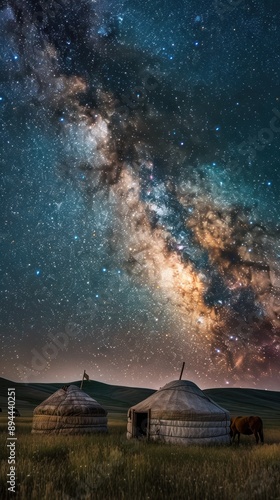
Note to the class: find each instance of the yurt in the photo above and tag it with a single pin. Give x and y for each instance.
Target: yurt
(69, 411)
(179, 413)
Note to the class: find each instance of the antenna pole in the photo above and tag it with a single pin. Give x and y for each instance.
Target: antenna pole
(183, 366)
(81, 386)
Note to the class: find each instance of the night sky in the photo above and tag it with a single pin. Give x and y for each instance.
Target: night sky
(139, 196)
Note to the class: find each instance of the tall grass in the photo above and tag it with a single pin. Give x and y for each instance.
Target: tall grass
(110, 467)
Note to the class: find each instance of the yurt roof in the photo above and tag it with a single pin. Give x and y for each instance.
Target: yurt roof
(180, 399)
(70, 400)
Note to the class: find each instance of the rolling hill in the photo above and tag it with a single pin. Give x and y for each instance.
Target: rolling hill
(114, 398)
(117, 399)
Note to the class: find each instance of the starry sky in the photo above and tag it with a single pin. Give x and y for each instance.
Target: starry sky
(139, 195)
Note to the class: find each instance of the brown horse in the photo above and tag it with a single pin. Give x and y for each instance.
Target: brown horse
(248, 426)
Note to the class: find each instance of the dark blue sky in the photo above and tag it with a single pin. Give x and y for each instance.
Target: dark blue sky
(140, 191)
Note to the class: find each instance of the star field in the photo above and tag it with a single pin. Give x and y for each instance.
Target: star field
(140, 191)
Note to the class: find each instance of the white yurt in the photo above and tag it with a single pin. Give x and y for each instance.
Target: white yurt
(179, 413)
(69, 411)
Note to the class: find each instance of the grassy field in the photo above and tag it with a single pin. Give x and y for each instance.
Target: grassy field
(111, 467)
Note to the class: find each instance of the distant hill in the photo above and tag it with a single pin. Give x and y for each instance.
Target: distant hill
(117, 399)
(266, 404)
(114, 398)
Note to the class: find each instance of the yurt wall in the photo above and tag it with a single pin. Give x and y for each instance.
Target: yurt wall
(69, 411)
(179, 413)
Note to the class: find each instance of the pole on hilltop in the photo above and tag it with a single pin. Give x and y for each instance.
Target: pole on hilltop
(85, 376)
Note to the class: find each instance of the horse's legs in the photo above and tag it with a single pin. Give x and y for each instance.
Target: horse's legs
(233, 436)
(261, 435)
(256, 436)
(235, 433)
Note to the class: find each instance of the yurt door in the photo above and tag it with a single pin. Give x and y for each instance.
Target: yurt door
(141, 424)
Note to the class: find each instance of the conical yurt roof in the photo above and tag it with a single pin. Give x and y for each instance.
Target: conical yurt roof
(69, 410)
(179, 400)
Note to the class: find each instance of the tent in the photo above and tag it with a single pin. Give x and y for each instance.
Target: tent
(179, 413)
(69, 411)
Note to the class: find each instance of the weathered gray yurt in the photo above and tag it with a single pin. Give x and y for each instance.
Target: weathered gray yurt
(69, 411)
(179, 413)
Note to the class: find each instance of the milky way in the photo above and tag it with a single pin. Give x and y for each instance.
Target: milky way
(139, 192)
